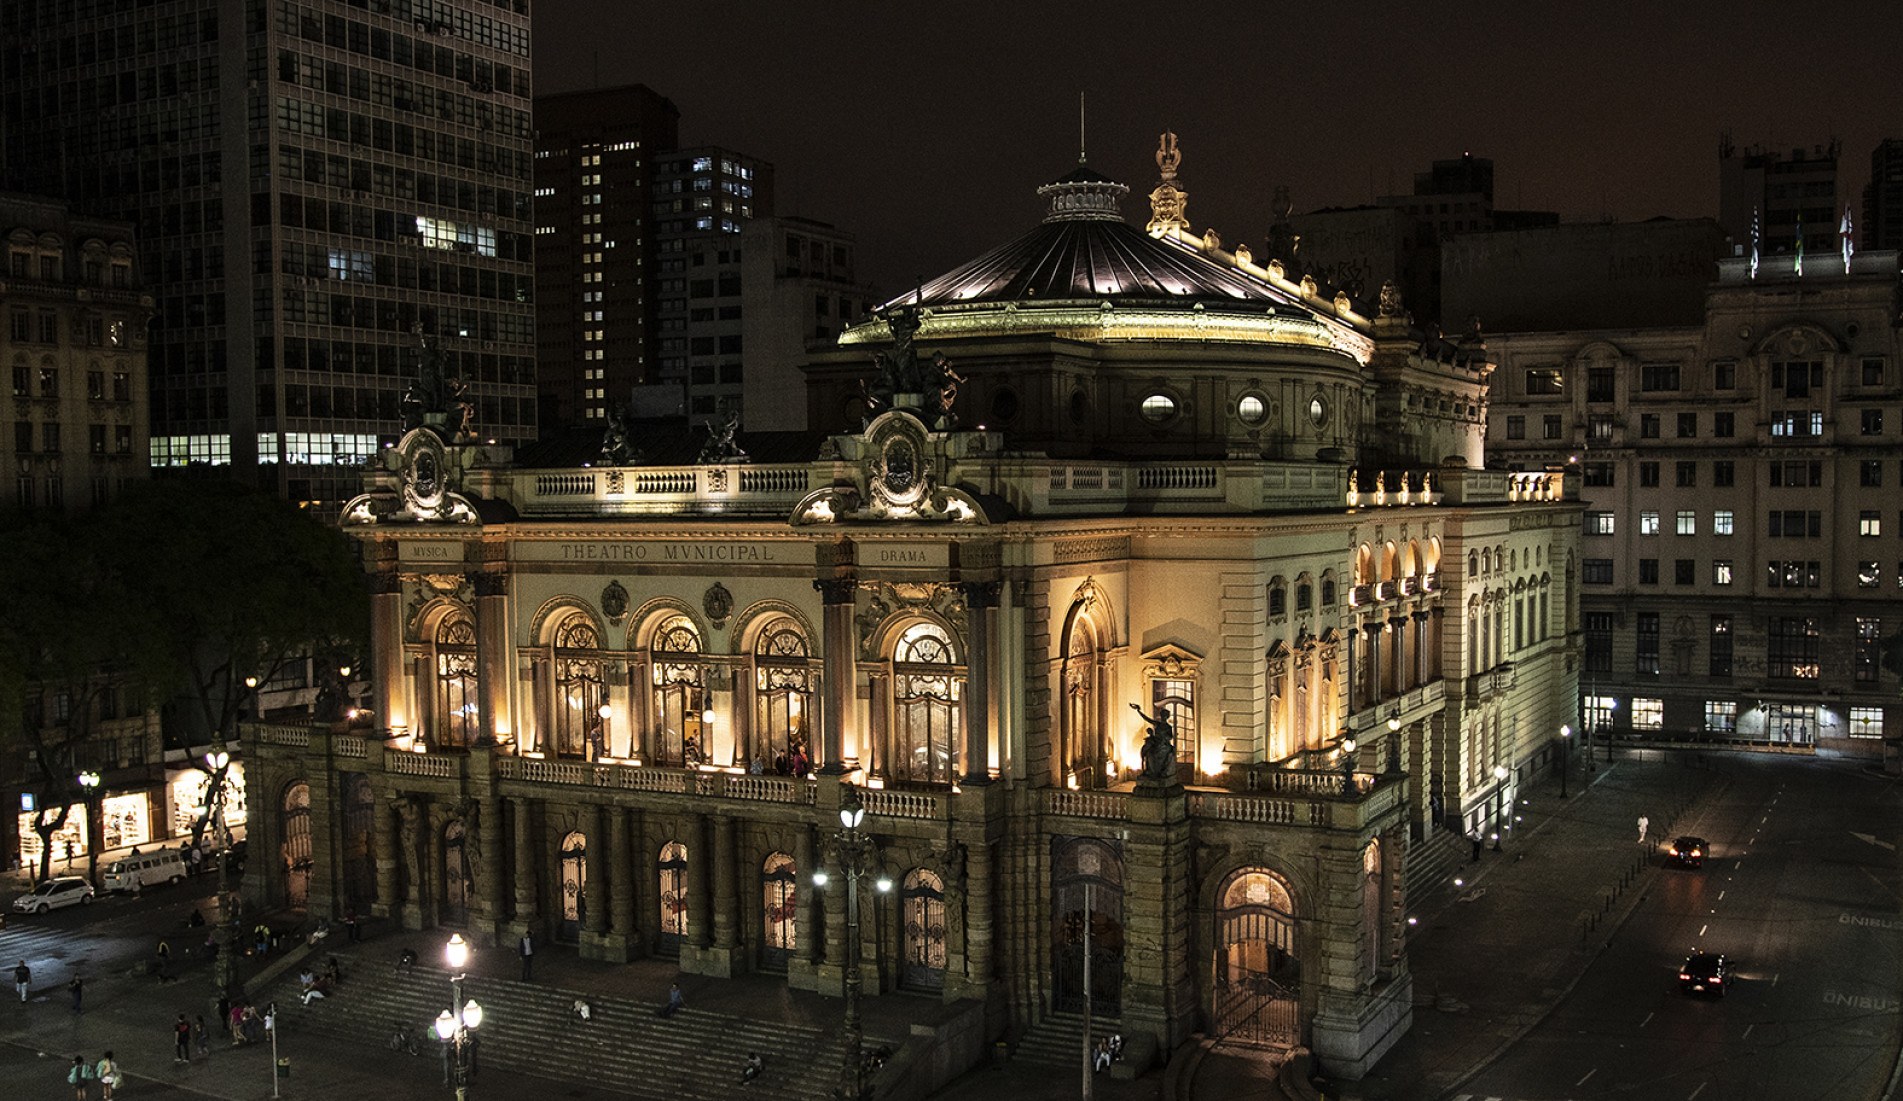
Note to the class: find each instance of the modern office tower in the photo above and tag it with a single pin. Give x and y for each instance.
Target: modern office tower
(1782, 192)
(798, 292)
(595, 247)
(1742, 560)
(1456, 196)
(1883, 197)
(314, 184)
(701, 198)
(74, 347)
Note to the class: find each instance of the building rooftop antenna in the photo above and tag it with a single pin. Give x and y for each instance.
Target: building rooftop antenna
(1080, 127)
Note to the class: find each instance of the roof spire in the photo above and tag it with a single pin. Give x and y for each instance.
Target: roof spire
(1080, 127)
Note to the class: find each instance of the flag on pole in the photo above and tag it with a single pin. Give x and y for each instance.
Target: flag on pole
(1798, 264)
(1756, 237)
(1845, 239)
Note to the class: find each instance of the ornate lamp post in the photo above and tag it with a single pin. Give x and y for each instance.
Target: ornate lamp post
(224, 969)
(1394, 742)
(455, 1025)
(89, 794)
(1500, 777)
(1348, 747)
(855, 851)
(1565, 743)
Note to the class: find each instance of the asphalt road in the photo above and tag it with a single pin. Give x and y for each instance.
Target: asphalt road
(1813, 916)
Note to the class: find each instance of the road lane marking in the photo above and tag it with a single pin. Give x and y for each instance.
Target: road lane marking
(1721, 896)
(1702, 928)
(1699, 1090)
(1589, 1074)
(1747, 1030)
(1648, 1019)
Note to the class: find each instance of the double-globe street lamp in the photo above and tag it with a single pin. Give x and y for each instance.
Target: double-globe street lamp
(455, 1025)
(89, 782)
(856, 853)
(225, 964)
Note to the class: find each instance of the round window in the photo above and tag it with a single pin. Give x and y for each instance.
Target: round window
(1004, 405)
(1252, 409)
(1158, 408)
(1317, 412)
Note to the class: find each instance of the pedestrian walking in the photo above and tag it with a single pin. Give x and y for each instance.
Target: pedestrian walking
(1644, 824)
(78, 990)
(526, 947)
(80, 1077)
(350, 924)
(107, 1071)
(201, 1036)
(21, 976)
(1473, 835)
(182, 1040)
(196, 860)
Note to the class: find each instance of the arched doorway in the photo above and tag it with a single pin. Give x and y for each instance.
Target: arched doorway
(779, 908)
(1257, 980)
(673, 895)
(455, 874)
(295, 850)
(922, 899)
(574, 883)
(360, 865)
(1087, 886)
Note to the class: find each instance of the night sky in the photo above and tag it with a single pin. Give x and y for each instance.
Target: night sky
(923, 128)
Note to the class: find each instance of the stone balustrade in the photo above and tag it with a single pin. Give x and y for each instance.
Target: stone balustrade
(1086, 804)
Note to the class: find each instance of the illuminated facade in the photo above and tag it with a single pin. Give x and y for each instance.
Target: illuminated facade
(1741, 556)
(621, 698)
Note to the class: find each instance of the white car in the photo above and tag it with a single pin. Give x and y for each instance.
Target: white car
(51, 894)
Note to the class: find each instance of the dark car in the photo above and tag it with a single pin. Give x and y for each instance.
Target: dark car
(1688, 851)
(1704, 973)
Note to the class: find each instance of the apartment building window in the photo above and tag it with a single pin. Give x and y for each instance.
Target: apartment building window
(1866, 722)
(96, 439)
(1595, 571)
(1794, 524)
(1791, 650)
(49, 382)
(1687, 426)
(1648, 713)
(1796, 472)
(1724, 376)
(1873, 372)
(1648, 571)
(1600, 523)
(1648, 426)
(1658, 376)
(1648, 475)
(1648, 522)
(49, 328)
(1600, 384)
(1870, 473)
(23, 437)
(1544, 382)
(1798, 424)
(1873, 422)
(1793, 573)
(1598, 631)
(1724, 473)
(1869, 522)
(1599, 427)
(1684, 571)
(1687, 474)
(1687, 522)
(1724, 425)
(1721, 522)
(1869, 653)
(1599, 474)
(49, 439)
(20, 326)
(1869, 574)
(22, 380)
(1516, 428)
(1550, 426)
(1797, 379)
(1721, 716)
(1721, 571)
(95, 385)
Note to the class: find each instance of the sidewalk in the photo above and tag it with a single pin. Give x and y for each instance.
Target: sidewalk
(1549, 902)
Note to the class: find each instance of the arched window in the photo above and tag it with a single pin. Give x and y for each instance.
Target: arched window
(927, 692)
(1084, 750)
(779, 908)
(782, 694)
(457, 711)
(1328, 590)
(1278, 597)
(922, 897)
(673, 895)
(574, 883)
(1257, 975)
(580, 690)
(295, 850)
(680, 693)
(1304, 594)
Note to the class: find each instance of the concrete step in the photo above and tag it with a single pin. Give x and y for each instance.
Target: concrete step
(625, 1046)
(1058, 1040)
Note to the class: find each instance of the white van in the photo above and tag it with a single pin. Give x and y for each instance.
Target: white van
(144, 869)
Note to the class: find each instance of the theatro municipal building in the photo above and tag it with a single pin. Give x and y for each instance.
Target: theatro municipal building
(1149, 597)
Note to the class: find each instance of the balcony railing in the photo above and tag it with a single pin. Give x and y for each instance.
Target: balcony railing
(284, 734)
(1086, 804)
(439, 766)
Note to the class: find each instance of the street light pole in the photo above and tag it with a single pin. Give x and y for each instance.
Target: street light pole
(89, 792)
(455, 1025)
(224, 967)
(1565, 741)
(855, 852)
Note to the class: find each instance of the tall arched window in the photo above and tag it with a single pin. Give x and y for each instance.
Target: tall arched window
(927, 691)
(457, 711)
(295, 850)
(673, 895)
(782, 693)
(580, 690)
(923, 897)
(1084, 750)
(779, 909)
(574, 884)
(680, 693)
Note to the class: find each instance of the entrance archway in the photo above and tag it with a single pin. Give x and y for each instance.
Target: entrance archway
(574, 882)
(673, 895)
(922, 897)
(295, 850)
(1087, 886)
(778, 909)
(1258, 977)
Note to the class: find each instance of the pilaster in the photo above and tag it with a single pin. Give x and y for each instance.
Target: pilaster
(1159, 995)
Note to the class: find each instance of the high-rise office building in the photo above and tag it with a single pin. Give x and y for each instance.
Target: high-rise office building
(1883, 197)
(314, 183)
(595, 312)
(701, 199)
(798, 292)
(1783, 193)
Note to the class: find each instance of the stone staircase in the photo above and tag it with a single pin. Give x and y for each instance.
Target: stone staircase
(695, 1055)
(1058, 1039)
(1432, 864)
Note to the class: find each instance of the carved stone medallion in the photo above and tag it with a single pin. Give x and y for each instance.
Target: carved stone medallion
(717, 602)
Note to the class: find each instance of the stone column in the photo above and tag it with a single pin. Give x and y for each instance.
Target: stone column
(1354, 644)
(528, 917)
(495, 658)
(491, 874)
(1402, 680)
(981, 599)
(620, 888)
(387, 693)
(700, 857)
(806, 928)
(724, 957)
(838, 731)
(383, 836)
(1437, 625)
(1373, 632)
(411, 819)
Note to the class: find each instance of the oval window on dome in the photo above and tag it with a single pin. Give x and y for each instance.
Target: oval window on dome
(1158, 408)
(1252, 409)
(1317, 411)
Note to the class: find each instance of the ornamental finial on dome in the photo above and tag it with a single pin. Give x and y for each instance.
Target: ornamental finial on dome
(1168, 202)
(1084, 194)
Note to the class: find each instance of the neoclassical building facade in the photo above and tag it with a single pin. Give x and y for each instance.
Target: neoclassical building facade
(1098, 469)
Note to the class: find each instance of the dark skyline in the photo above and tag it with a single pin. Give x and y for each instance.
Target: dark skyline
(924, 132)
